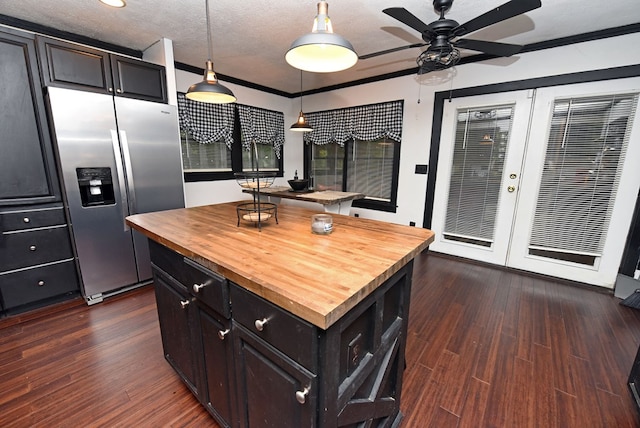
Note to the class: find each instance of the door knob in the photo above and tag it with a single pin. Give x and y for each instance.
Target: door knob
(511, 189)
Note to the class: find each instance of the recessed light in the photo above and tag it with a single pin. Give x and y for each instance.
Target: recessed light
(114, 3)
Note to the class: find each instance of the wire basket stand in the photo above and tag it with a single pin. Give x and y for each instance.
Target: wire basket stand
(256, 212)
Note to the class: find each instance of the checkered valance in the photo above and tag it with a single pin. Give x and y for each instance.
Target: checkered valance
(262, 127)
(206, 122)
(366, 123)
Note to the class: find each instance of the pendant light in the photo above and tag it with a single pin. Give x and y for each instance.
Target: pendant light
(301, 124)
(114, 3)
(321, 51)
(210, 90)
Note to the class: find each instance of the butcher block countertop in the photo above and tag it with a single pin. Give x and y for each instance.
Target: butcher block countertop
(316, 277)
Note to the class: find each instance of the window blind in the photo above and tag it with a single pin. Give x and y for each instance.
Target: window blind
(367, 123)
(370, 168)
(206, 123)
(586, 147)
(261, 126)
(480, 147)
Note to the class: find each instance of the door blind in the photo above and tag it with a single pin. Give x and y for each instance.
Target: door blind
(586, 147)
(480, 148)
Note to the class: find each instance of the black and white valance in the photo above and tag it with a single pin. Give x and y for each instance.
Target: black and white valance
(261, 126)
(367, 123)
(207, 123)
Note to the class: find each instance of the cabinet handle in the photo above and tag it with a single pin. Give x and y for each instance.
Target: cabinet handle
(32, 248)
(41, 283)
(119, 91)
(223, 333)
(301, 396)
(198, 287)
(26, 219)
(184, 304)
(110, 89)
(260, 324)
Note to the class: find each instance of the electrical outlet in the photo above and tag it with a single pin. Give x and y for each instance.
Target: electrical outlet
(412, 223)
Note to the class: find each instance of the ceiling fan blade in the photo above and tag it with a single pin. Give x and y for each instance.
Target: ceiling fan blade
(491, 48)
(500, 13)
(407, 18)
(386, 51)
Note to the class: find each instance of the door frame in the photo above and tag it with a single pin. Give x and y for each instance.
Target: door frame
(441, 97)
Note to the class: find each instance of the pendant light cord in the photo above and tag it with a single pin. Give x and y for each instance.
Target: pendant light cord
(209, 32)
(300, 90)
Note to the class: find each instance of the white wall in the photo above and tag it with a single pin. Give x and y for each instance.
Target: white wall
(416, 134)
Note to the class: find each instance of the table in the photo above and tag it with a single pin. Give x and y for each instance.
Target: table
(332, 201)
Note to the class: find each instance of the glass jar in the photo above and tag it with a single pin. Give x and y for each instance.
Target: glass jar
(321, 224)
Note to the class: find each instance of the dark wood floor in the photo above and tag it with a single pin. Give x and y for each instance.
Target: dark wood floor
(486, 348)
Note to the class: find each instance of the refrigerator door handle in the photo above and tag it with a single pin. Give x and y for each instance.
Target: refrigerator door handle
(120, 171)
(129, 172)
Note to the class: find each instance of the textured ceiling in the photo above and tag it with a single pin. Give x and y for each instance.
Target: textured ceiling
(250, 37)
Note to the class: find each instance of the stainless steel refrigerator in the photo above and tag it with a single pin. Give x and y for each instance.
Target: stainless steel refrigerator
(118, 156)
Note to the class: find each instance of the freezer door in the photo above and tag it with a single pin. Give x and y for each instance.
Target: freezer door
(85, 132)
(150, 140)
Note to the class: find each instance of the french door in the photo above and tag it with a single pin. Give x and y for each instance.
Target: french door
(540, 180)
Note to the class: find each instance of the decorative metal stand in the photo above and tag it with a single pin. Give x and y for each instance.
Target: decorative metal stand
(256, 212)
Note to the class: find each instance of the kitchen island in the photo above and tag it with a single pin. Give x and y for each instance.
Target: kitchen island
(278, 326)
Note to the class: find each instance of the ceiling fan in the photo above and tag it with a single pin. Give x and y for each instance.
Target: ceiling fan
(442, 35)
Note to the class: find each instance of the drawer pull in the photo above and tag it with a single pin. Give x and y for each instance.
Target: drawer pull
(184, 304)
(223, 333)
(32, 248)
(26, 219)
(301, 396)
(41, 283)
(198, 287)
(260, 324)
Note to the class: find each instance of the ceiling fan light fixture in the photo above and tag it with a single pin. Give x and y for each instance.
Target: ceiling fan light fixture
(209, 90)
(321, 51)
(114, 3)
(437, 59)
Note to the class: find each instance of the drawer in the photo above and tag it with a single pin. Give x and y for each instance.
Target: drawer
(209, 287)
(293, 336)
(34, 247)
(29, 219)
(30, 285)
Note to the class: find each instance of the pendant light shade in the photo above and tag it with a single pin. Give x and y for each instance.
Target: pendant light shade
(114, 3)
(210, 90)
(301, 125)
(321, 51)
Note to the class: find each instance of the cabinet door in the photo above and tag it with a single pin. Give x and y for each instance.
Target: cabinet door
(174, 314)
(138, 79)
(217, 351)
(73, 66)
(27, 168)
(273, 390)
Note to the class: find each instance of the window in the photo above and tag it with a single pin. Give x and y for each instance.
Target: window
(217, 140)
(368, 167)
(356, 150)
(199, 157)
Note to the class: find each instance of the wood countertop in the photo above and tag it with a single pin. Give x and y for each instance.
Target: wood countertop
(316, 277)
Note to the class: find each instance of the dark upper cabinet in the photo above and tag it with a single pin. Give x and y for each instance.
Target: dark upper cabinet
(74, 66)
(27, 165)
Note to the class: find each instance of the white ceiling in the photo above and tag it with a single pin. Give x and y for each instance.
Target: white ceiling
(250, 37)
